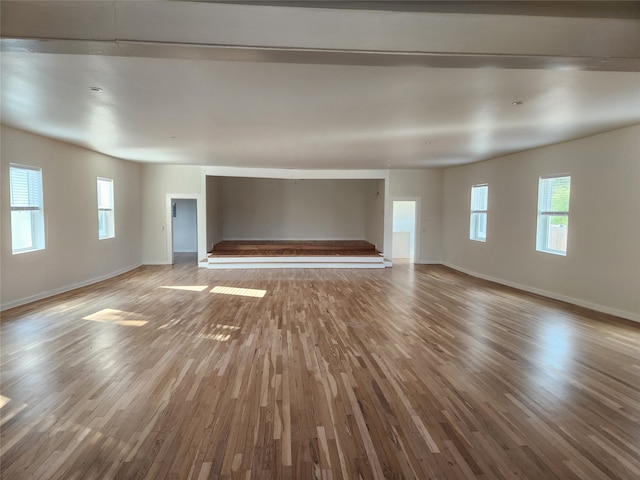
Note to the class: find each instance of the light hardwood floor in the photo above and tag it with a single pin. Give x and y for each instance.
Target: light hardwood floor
(410, 372)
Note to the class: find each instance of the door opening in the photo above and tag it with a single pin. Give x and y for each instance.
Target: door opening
(404, 230)
(184, 228)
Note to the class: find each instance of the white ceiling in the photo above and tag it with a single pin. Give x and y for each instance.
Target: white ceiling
(287, 114)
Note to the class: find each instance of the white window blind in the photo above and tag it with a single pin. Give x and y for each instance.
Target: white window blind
(106, 220)
(27, 208)
(479, 207)
(553, 214)
(26, 187)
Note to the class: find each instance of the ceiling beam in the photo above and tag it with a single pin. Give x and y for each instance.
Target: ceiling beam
(315, 56)
(545, 8)
(211, 31)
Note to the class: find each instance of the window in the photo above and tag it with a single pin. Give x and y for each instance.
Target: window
(106, 223)
(478, 223)
(27, 209)
(553, 214)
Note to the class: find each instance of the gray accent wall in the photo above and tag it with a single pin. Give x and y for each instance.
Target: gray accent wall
(287, 209)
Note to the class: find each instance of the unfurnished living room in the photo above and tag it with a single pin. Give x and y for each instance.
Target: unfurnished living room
(320, 240)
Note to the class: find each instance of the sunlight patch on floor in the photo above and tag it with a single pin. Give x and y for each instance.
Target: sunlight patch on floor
(190, 288)
(219, 337)
(4, 400)
(227, 327)
(244, 292)
(8, 415)
(118, 317)
(171, 323)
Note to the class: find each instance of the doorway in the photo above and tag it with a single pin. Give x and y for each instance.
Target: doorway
(184, 228)
(404, 230)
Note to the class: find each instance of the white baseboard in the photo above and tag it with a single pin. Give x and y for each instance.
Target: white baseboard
(66, 288)
(156, 262)
(556, 296)
(389, 263)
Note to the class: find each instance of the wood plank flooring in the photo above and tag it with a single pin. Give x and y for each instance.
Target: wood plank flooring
(409, 372)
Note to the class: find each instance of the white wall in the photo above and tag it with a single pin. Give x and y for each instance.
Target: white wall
(214, 211)
(286, 209)
(73, 256)
(427, 185)
(158, 183)
(602, 266)
(374, 213)
(185, 238)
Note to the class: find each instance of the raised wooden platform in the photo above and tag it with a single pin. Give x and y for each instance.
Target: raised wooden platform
(259, 248)
(295, 254)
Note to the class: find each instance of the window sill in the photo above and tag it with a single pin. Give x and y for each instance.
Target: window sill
(20, 252)
(553, 252)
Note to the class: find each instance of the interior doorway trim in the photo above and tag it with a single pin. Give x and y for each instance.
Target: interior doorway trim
(201, 224)
(417, 250)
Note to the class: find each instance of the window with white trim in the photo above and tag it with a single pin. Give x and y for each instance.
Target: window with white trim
(553, 214)
(27, 208)
(106, 220)
(478, 221)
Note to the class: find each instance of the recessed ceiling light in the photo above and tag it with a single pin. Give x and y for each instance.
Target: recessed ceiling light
(517, 102)
(95, 89)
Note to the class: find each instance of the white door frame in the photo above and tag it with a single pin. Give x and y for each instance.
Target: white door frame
(201, 223)
(417, 251)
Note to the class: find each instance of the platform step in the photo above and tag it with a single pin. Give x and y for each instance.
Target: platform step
(332, 261)
(296, 259)
(256, 265)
